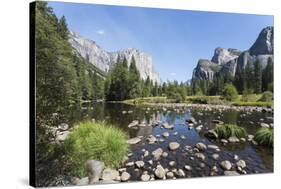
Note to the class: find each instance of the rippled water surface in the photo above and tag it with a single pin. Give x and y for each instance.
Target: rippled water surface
(258, 159)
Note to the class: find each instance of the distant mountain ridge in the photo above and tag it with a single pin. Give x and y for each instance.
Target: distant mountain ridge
(226, 61)
(93, 53)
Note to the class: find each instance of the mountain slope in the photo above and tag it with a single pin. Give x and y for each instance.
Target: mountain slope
(105, 61)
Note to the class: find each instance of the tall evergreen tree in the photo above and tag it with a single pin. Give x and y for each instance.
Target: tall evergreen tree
(267, 76)
(258, 77)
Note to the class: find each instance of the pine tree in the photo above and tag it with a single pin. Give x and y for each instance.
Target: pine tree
(258, 77)
(267, 76)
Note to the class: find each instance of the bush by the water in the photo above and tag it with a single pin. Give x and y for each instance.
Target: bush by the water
(264, 136)
(267, 96)
(229, 92)
(95, 140)
(228, 130)
(249, 96)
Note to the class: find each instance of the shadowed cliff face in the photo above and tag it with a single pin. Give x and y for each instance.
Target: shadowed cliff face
(226, 61)
(104, 60)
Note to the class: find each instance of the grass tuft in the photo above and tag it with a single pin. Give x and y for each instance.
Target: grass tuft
(228, 130)
(264, 136)
(95, 140)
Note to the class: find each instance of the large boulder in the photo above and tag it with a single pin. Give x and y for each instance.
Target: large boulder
(94, 169)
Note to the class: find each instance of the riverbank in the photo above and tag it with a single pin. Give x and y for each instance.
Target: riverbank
(204, 102)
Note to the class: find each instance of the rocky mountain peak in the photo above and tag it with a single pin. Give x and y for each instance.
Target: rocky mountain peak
(226, 61)
(264, 42)
(89, 50)
(222, 55)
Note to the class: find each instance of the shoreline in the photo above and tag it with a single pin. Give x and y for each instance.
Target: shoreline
(203, 106)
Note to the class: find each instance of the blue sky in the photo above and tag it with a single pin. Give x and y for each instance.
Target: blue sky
(175, 39)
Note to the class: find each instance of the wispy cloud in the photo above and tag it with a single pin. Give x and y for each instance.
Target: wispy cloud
(100, 32)
(173, 74)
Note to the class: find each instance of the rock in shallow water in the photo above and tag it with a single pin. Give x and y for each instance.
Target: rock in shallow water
(125, 176)
(174, 145)
(231, 173)
(201, 146)
(145, 177)
(159, 172)
(139, 164)
(166, 134)
(134, 140)
(226, 165)
(157, 153)
(241, 163)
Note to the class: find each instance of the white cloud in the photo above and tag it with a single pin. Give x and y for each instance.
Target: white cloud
(173, 74)
(100, 32)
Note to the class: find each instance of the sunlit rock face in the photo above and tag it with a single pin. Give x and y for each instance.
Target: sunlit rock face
(226, 61)
(105, 61)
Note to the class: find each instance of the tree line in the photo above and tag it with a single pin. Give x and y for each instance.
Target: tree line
(251, 79)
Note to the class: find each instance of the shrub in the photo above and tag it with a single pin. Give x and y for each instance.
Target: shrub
(177, 94)
(95, 140)
(267, 96)
(248, 96)
(264, 136)
(229, 130)
(229, 92)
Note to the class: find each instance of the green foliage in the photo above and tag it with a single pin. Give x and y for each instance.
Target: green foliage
(264, 136)
(95, 140)
(229, 92)
(228, 130)
(258, 77)
(267, 96)
(248, 96)
(176, 92)
(267, 76)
